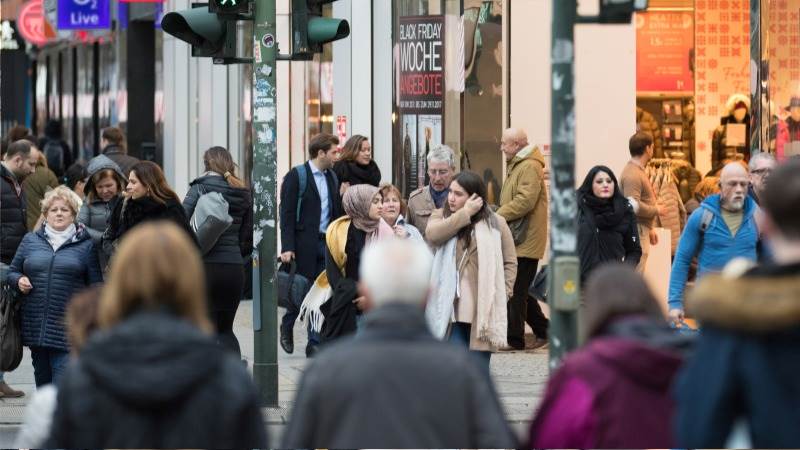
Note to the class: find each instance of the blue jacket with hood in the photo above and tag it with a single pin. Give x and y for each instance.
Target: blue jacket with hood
(715, 248)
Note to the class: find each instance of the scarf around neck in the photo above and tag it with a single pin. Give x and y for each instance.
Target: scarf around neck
(439, 197)
(607, 213)
(58, 238)
(360, 174)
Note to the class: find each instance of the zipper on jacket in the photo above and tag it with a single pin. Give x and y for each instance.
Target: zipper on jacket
(49, 281)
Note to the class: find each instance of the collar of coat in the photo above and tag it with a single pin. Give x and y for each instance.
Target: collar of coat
(762, 300)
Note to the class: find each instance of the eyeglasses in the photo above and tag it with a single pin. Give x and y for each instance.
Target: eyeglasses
(762, 172)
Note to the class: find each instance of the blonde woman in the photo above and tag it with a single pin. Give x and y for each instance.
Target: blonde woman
(153, 376)
(52, 263)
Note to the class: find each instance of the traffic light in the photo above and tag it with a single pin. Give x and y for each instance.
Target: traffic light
(620, 11)
(230, 7)
(205, 32)
(310, 30)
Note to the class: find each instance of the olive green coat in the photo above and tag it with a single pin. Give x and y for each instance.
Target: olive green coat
(524, 193)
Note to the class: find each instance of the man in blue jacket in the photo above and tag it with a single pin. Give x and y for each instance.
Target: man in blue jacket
(723, 228)
(746, 363)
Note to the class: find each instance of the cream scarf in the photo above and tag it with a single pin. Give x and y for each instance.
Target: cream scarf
(491, 318)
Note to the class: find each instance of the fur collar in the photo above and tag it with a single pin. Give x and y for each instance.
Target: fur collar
(751, 303)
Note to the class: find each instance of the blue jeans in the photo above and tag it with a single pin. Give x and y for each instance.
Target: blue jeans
(48, 364)
(459, 335)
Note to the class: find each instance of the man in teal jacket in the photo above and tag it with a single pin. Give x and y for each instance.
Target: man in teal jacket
(722, 229)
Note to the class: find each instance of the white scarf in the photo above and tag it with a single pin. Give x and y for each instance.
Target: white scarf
(491, 319)
(58, 238)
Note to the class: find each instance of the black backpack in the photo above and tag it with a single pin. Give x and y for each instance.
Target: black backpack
(54, 152)
(10, 329)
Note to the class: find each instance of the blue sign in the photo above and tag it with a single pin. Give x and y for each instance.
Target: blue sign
(83, 14)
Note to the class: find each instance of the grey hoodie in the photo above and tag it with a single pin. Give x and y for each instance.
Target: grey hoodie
(95, 213)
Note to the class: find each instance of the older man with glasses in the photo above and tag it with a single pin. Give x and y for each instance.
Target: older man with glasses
(761, 166)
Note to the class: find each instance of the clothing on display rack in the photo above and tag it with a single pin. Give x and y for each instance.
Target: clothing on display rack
(660, 172)
(686, 177)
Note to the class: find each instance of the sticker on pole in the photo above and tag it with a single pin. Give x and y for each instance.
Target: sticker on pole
(268, 41)
(257, 52)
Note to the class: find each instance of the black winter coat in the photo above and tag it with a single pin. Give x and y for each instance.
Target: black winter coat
(237, 241)
(13, 215)
(596, 246)
(55, 276)
(140, 210)
(303, 237)
(156, 381)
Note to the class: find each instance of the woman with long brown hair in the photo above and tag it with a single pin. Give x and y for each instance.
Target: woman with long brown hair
(147, 197)
(224, 261)
(356, 165)
(153, 377)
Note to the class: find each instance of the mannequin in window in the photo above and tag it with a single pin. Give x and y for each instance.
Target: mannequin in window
(738, 108)
(789, 134)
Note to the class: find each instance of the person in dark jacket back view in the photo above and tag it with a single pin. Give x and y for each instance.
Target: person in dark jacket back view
(55, 148)
(607, 229)
(51, 264)
(36, 185)
(223, 263)
(744, 370)
(147, 197)
(615, 391)
(152, 377)
(105, 184)
(394, 385)
(17, 164)
(113, 143)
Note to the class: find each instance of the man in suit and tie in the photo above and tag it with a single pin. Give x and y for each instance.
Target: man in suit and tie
(316, 194)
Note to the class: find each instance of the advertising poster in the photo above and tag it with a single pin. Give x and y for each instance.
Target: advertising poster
(421, 89)
(408, 170)
(429, 135)
(664, 41)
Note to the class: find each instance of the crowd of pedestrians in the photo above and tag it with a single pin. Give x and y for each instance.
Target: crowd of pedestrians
(405, 301)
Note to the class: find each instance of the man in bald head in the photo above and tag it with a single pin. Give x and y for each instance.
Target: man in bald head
(723, 229)
(523, 203)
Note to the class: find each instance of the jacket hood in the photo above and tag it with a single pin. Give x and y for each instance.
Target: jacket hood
(530, 152)
(714, 204)
(97, 164)
(637, 361)
(211, 179)
(763, 300)
(151, 359)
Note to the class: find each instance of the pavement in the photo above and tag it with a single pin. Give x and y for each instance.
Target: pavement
(520, 379)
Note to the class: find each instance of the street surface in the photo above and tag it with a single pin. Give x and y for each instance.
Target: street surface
(520, 378)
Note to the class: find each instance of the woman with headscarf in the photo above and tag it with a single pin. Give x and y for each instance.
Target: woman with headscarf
(607, 229)
(334, 294)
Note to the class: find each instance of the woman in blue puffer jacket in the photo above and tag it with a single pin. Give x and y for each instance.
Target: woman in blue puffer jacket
(51, 264)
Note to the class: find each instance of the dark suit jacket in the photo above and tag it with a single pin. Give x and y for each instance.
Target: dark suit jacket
(302, 237)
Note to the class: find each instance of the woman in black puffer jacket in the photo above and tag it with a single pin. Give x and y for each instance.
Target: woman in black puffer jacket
(148, 197)
(224, 262)
(607, 230)
(356, 165)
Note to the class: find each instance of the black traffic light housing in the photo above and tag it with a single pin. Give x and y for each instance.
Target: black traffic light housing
(620, 11)
(209, 34)
(310, 30)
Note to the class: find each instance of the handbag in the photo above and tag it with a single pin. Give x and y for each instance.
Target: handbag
(210, 219)
(538, 287)
(292, 287)
(10, 329)
(519, 229)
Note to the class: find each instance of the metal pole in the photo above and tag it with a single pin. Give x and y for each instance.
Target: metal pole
(265, 312)
(756, 93)
(564, 287)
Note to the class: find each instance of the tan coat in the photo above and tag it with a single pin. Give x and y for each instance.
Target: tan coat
(635, 183)
(524, 193)
(439, 231)
(420, 207)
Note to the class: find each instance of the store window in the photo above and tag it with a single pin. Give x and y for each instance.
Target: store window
(448, 87)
